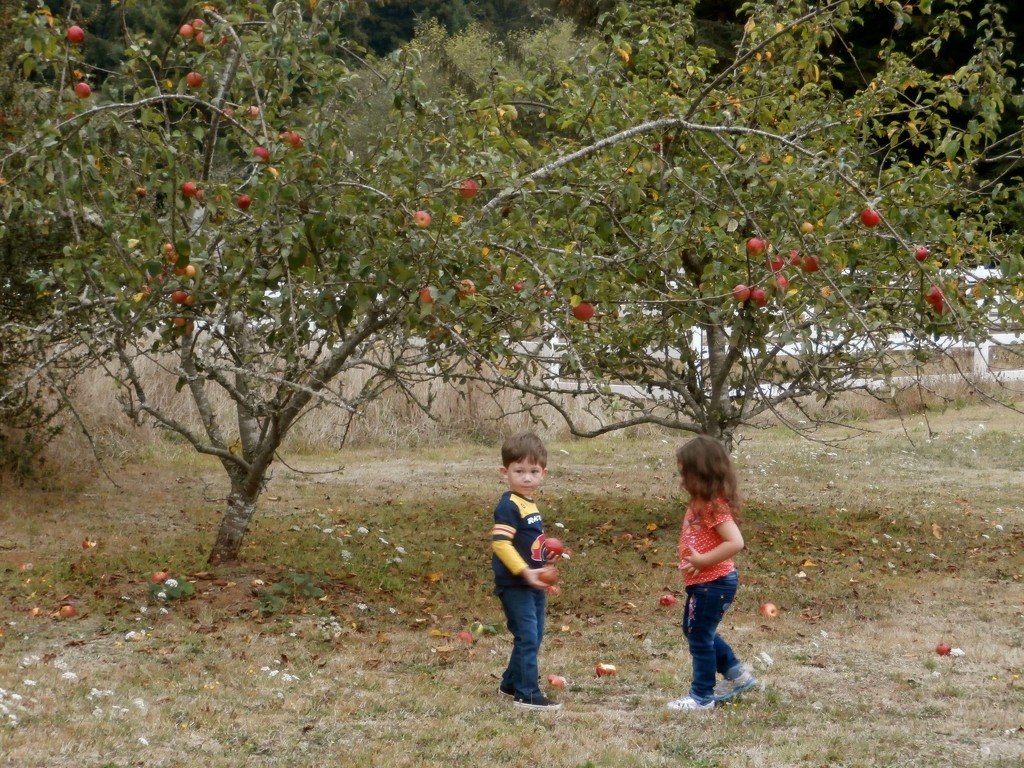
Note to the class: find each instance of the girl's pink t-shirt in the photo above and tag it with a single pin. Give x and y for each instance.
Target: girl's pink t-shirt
(702, 538)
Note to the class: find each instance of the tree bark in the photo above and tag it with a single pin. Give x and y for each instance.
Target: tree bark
(241, 506)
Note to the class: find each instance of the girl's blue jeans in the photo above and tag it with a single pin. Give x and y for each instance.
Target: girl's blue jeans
(706, 604)
(524, 614)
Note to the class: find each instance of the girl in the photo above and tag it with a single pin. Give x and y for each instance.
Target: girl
(709, 539)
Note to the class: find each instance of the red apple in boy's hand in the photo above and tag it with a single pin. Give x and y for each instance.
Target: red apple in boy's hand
(770, 610)
(943, 649)
(554, 546)
(554, 590)
(667, 600)
(548, 574)
(606, 670)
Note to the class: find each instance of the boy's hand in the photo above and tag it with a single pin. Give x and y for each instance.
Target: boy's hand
(532, 577)
(552, 558)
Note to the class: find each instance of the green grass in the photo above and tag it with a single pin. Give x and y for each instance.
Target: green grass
(872, 556)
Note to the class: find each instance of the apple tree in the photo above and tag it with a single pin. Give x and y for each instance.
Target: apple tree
(691, 242)
(246, 212)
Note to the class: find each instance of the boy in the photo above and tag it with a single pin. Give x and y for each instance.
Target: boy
(517, 540)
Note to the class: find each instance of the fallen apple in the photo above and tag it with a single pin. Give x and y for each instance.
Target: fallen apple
(159, 577)
(606, 670)
(769, 609)
(667, 599)
(556, 681)
(66, 611)
(943, 649)
(465, 637)
(554, 546)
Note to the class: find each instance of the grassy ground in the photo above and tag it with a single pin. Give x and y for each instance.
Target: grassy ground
(335, 641)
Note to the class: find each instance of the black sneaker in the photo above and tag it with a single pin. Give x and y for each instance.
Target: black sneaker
(506, 694)
(540, 703)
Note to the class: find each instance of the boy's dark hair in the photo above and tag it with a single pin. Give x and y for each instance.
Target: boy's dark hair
(524, 445)
(708, 472)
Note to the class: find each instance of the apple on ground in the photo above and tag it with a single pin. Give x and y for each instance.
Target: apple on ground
(741, 293)
(943, 649)
(66, 611)
(870, 217)
(465, 637)
(82, 90)
(769, 609)
(75, 34)
(667, 599)
(554, 546)
(605, 670)
(583, 311)
(556, 681)
(159, 577)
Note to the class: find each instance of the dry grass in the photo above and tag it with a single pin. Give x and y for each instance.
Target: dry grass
(908, 535)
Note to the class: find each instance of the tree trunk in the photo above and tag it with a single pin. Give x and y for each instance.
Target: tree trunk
(241, 507)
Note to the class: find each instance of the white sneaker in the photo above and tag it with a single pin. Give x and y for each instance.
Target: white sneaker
(727, 688)
(687, 703)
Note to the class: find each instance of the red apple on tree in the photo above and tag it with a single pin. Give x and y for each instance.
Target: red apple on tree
(262, 153)
(466, 288)
(427, 295)
(807, 227)
(194, 79)
(795, 259)
(755, 246)
(921, 253)
(583, 311)
(75, 34)
(811, 264)
(189, 189)
(741, 293)
(759, 296)
(186, 31)
(870, 217)
(775, 262)
(469, 188)
(421, 219)
(82, 90)
(769, 610)
(244, 201)
(781, 282)
(179, 297)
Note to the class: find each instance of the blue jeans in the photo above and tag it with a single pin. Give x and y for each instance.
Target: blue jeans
(706, 604)
(524, 614)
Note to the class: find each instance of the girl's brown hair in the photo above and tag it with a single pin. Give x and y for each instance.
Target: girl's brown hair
(708, 473)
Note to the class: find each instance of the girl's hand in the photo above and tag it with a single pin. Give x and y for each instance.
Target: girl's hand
(692, 561)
